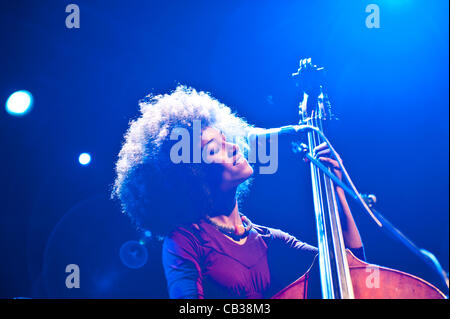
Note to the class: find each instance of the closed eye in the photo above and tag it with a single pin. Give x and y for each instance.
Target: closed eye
(215, 141)
(213, 151)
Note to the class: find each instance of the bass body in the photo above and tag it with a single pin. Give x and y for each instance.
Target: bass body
(370, 281)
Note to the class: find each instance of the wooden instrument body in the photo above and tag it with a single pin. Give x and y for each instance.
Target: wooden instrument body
(371, 282)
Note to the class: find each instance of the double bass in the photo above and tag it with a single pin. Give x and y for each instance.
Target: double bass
(342, 275)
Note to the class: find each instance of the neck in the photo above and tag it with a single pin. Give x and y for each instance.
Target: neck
(226, 212)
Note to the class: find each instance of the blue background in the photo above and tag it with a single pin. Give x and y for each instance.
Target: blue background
(389, 87)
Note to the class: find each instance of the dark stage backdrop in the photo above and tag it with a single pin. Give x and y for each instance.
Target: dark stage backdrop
(389, 87)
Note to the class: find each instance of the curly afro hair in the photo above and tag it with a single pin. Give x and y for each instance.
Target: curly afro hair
(156, 193)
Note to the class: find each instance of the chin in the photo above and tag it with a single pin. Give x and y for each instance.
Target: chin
(245, 173)
(249, 170)
(236, 180)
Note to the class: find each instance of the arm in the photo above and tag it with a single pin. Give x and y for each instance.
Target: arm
(180, 255)
(350, 232)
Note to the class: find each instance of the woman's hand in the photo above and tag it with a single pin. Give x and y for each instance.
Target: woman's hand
(323, 153)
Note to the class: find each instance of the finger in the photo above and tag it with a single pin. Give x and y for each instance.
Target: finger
(329, 162)
(327, 152)
(320, 147)
(323, 153)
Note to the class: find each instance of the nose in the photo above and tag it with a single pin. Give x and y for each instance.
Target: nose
(232, 149)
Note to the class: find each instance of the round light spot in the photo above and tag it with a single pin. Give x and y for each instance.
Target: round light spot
(84, 158)
(19, 103)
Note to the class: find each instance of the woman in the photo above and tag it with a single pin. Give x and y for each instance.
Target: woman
(210, 249)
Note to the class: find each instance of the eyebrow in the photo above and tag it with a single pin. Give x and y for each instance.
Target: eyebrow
(206, 144)
(214, 138)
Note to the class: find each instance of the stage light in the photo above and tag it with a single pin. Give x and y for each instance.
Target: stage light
(84, 158)
(19, 103)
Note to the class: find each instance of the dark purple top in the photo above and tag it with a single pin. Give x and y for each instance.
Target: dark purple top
(201, 262)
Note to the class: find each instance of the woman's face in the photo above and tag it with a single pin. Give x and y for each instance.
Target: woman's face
(232, 166)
